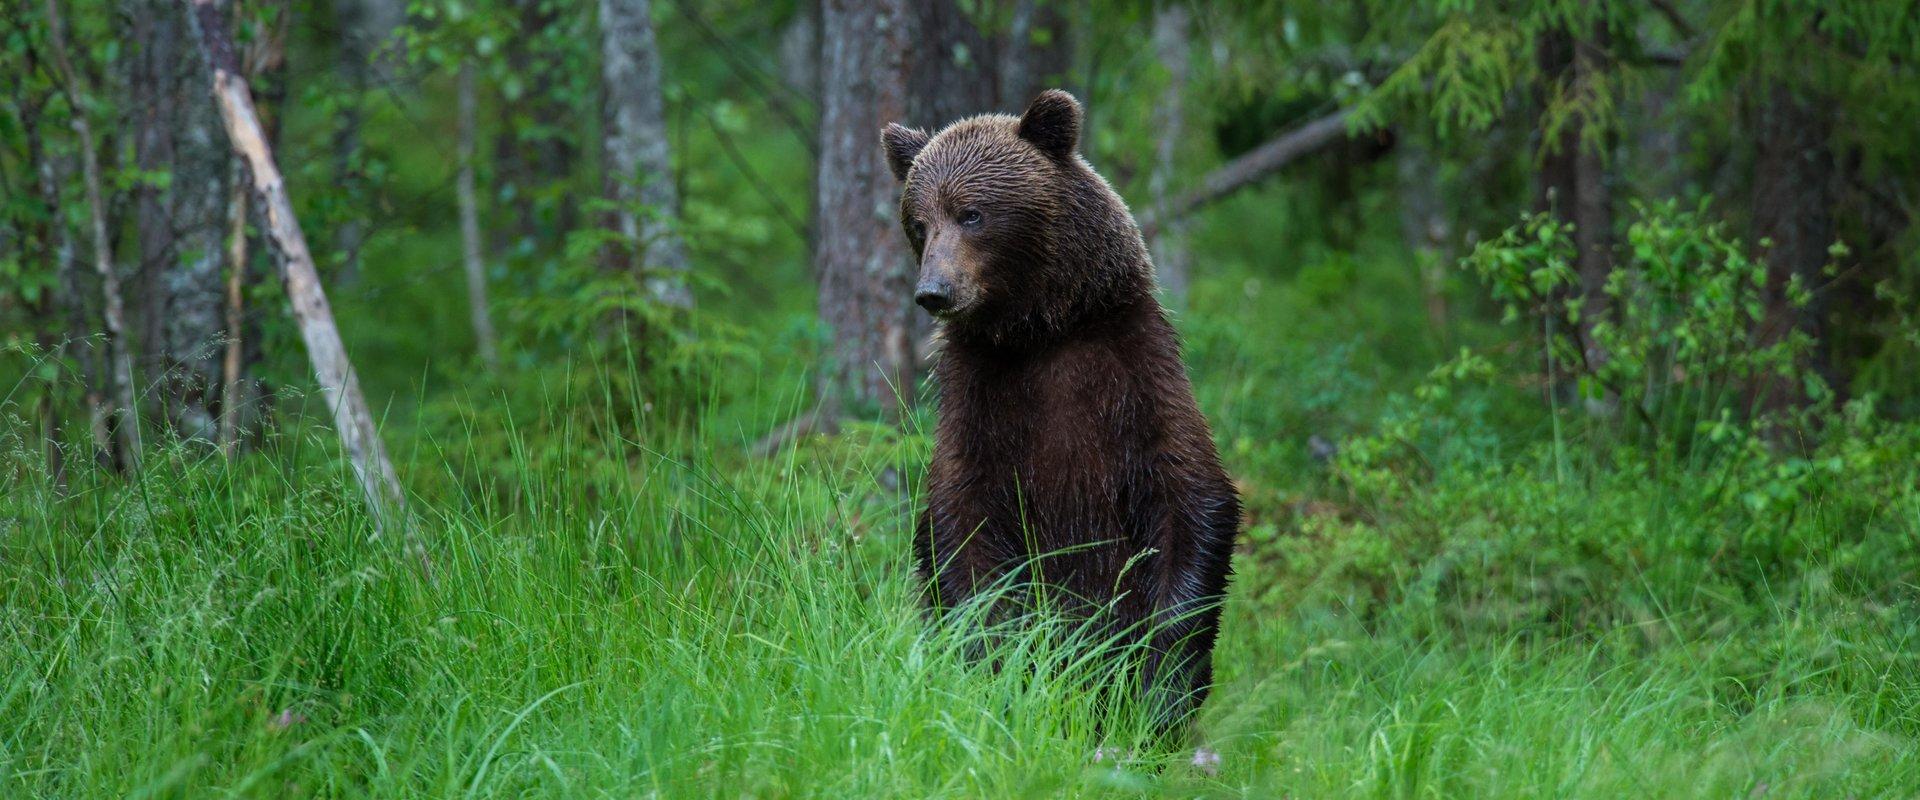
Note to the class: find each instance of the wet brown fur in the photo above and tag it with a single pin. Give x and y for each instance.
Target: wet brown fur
(1066, 419)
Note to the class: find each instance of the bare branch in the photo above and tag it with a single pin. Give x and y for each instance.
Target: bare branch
(1251, 166)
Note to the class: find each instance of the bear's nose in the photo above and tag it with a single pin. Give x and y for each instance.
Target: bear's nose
(934, 296)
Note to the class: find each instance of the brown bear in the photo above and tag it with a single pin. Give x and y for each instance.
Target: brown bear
(1069, 444)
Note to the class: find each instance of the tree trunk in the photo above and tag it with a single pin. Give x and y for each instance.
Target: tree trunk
(233, 359)
(359, 35)
(1593, 204)
(73, 304)
(152, 76)
(181, 222)
(861, 256)
(1037, 55)
(470, 246)
(1424, 225)
(51, 236)
(950, 68)
(1172, 45)
(353, 420)
(951, 74)
(1793, 193)
(1572, 183)
(113, 310)
(639, 156)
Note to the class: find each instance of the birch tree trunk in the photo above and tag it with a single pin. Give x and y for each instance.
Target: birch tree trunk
(639, 156)
(1172, 44)
(340, 386)
(860, 257)
(470, 248)
(113, 310)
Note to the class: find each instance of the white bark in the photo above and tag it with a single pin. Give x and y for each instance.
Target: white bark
(640, 159)
(1171, 43)
(340, 386)
(475, 267)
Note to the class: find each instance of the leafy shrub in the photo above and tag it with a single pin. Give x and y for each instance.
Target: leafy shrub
(1682, 510)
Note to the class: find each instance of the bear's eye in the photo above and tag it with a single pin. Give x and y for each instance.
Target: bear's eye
(915, 229)
(970, 218)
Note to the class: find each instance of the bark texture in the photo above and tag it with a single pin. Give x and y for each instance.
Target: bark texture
(860, 256)
(1172, 45)
(470, 248)
(1573, 182)
(1037, 52)
(353, 419)
(182, 222)
(1793, 195)
(951, 67)
(953, 71)
(639, 155)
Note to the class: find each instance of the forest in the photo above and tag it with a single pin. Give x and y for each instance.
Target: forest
(439, 398)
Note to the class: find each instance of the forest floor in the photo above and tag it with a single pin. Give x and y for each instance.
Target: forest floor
(617, 601)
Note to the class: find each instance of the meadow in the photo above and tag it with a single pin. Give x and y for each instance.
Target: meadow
(1569, 375)
(595, 596)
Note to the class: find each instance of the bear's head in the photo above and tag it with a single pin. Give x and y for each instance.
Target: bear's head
(1016, 236)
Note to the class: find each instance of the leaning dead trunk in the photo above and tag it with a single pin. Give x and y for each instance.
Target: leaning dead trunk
(113, 311)
(353, 420)
(639, 159)
(471, 259)
(861, 256)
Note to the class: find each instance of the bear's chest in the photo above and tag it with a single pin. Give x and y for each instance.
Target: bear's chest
(1058, 436)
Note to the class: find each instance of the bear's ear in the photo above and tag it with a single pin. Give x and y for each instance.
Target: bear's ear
(1052, 123)
(902, 144)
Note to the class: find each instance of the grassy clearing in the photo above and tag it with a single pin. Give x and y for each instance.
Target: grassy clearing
(720, 626)
(1474, 597)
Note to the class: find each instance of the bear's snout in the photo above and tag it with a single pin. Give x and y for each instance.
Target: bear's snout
(934, 294)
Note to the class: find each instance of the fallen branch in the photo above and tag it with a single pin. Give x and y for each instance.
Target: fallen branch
(1252, 166)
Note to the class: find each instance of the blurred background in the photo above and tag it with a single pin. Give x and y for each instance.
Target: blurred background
(1524, 325)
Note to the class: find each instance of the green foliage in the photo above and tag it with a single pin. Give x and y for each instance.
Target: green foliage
(1478, 561)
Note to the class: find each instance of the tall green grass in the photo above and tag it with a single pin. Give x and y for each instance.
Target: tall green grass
(1474, 596)
(710, 624)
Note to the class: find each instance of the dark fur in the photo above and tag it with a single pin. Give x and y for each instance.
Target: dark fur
(1066, 418)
